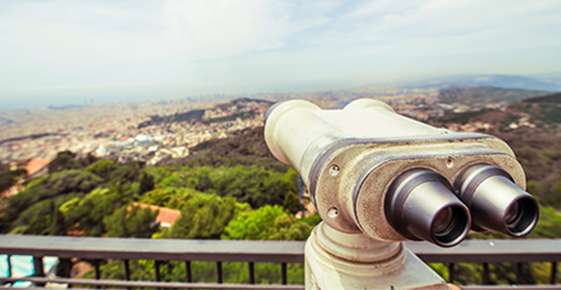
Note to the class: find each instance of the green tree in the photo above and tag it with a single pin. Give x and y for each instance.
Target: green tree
(257, 186)
(171, 197)
(57, 225)
(146, 183)
(86, 214)
(131, 221)
(42, 218)
(126, 173)
(69, 182)
(103, 168)
(267, 223)
(204, 216)
(66, 160)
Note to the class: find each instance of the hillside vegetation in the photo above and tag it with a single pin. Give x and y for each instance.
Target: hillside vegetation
(198, 115)
(550, 98)
(245, 147)
(221, 198)
(485, 94)
(79, 193)
(542, 110)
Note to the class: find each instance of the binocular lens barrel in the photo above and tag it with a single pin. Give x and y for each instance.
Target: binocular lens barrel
(421, 206)
(496, 202)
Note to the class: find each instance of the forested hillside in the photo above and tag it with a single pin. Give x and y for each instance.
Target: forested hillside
(245, 147)
(81, 196)
(485, 94)
(218, 199)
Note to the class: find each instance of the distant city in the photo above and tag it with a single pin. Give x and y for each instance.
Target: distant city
(156, 132)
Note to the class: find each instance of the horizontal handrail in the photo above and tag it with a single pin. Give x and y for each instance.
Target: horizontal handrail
(492, 251)
(262, 251)
(281, 252)
(155, 249)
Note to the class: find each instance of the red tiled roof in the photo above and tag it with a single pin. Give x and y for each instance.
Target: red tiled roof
(166, 216)
(35, 165)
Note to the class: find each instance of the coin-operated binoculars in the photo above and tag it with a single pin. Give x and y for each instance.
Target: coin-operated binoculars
(378, 178)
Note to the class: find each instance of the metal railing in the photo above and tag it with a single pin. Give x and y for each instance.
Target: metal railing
(99, 250)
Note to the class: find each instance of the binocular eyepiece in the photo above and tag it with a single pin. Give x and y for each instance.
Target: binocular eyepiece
(496, 203)
(421, 205)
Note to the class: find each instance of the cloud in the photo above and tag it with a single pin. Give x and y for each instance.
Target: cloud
(175, 48)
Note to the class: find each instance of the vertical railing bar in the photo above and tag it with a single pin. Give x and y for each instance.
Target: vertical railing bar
(38, 269)
(251, 268)
(219, 278)
(97, 270)
(486, 274)
(9, 264)
(126, 265)
(127, 270)
(284, 274)
(157, 265)
(451, 272)
(553, 278)
(188, 271)
(519, 278)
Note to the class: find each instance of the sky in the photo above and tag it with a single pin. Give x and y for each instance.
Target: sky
(70, 52)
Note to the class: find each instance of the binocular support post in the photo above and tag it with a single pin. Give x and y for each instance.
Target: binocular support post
(337, 260)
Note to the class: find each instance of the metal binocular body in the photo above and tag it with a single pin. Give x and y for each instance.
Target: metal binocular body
(374, 171)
